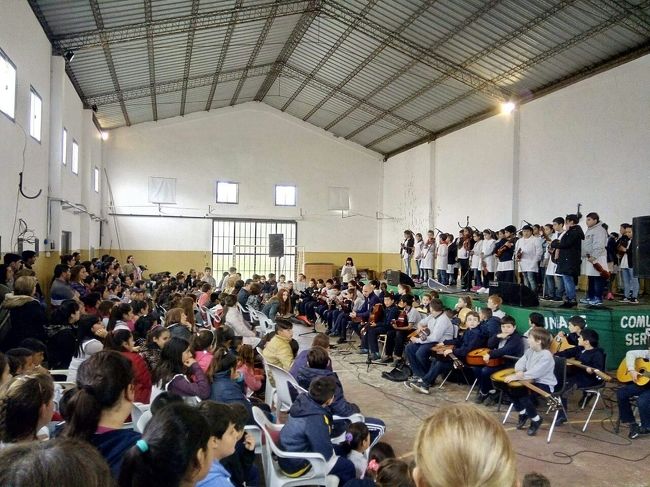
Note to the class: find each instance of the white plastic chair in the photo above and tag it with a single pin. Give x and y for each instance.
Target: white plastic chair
(266, 326)
(269, 391)
(138, 413)
(256, 433)
(316, 475)
(282, 379)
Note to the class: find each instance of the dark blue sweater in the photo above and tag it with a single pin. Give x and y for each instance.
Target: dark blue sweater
(113, 445)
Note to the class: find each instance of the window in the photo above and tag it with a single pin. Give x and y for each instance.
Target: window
(227, 192)
(285, 195)
(75, 157)
(64, 147)
(36, 107)
(7, 86)
(96, 179)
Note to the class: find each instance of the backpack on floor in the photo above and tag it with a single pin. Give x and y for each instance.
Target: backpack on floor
(399, 374)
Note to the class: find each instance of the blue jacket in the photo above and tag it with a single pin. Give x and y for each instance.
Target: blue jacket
(226, 390)
(218, 476)
(490, 327)
(301, 361)
(390, 314)
(307, 430)
(471, 340)
(340, 406)
(514, 346)
(113, 445)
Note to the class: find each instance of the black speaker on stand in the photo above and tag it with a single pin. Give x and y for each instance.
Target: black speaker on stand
(641, 246)
(276, 245)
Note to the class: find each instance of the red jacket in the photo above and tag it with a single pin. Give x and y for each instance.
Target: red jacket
(141, 377)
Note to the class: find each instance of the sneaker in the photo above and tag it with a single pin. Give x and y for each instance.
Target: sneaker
(492, 399)
(634, 301)
(546, 298)
(624, 300)
(375, 357)
(561, 420)
(363, 351)
(480, 398)
(634, 431)
(569, 304)
(420, 387)
(557, 299)
(534, 426)
(585, 301)
(521, 423)
(476, 289)
(609, 297)
(386, 360)
(341, 340)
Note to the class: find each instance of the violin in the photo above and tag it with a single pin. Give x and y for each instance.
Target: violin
(502, 250)
(376, 313)
(520, 254)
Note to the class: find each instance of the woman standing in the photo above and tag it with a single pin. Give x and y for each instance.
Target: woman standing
(349, 271)
(406, 250)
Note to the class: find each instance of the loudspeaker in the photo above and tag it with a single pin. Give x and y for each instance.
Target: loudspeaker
(515, 294)
(641, 249)
(276, 244)
(393, 278)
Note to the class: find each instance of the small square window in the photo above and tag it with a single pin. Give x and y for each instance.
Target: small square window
(96, 179)
(36, 108)
(285, 195)
(64, 147)
(227, 192)
(7, 86)
(75, 157)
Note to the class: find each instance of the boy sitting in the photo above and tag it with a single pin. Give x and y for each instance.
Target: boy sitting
(308, 430)
(223, 438)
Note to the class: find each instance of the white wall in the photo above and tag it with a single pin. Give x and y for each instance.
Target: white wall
(588, 143)
(252, 144)
(23, 40)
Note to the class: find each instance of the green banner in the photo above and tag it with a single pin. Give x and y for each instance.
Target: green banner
(620, 329)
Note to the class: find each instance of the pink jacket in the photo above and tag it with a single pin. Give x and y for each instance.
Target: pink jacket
(204, 359)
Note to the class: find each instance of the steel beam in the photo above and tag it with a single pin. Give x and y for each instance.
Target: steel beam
(521, 30)
(50, 35)
(188, 54)
(415, 51)
(301, 28)
(208, 20)
(542, 57)
(152, 60)
(329, 53)
(638, 22)
(223, 53)
(256, 50)
(162, 87)
(97, 14)
(384, 43)
(350, 99)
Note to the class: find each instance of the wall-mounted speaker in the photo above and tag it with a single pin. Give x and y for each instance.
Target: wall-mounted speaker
(641, 248)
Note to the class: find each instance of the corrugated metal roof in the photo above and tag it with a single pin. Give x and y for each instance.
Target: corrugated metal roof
(383, 73)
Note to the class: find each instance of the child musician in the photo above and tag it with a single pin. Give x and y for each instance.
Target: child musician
(537, 365)
(397, 336)
(488, 260)
(428, 253)
(475, 259)
(624, 394)
(441, 259)
(390, 313)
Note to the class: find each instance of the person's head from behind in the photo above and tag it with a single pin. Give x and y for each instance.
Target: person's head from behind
(26, 405)
(377, 454)
(25, 286)
(223, 428)
(246, 355)
(358, 436)
(317, 358)
(38, 349)
(121, 312)
(120, 341)
(393, 473)
(173, 450)
(203, 341)
(494, 302)
(458, 435)
(536, 319)
(534, 479)
(223, 361)
(225, 336)
(63, 462)
(67, 313)
(163, 399)
(104, 387)
(20, 361)
(321, 340)
(321, 390)
(485, 314)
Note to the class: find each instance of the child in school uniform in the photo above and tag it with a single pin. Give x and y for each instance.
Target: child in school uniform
(536, 365)
(308, 429)
(441, 259)
(417, 255)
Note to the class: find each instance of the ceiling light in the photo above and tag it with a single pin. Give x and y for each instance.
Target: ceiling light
(507, 107)
(104, 135)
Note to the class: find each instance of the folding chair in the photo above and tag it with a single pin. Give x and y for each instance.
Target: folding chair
(588, 392)
(317, 473)
(282, 379)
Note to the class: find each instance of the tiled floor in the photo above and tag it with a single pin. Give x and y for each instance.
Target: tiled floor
(595, 458)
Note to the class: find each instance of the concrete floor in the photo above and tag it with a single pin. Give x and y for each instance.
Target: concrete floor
(595, 458)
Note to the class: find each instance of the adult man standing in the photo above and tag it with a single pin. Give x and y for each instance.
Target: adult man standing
(568, 261)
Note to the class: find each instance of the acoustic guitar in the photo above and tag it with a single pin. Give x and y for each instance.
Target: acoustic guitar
(475, 357)
(440, 348)
(375, 317)
(500, 376)
(559, 344)
(577, 363)
(641, 365)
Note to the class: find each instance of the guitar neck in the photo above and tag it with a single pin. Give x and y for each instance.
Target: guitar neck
(599, 373)
(534, 388)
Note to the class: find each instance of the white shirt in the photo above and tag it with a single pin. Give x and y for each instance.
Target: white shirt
(531, 249)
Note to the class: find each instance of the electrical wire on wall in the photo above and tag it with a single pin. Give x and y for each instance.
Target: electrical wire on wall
(20, 192)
